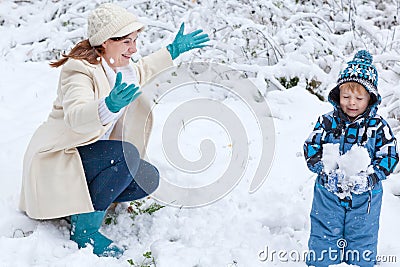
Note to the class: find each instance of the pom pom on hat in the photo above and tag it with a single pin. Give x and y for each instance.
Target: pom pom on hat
(362, 71)
(108, 21)
(364, 56)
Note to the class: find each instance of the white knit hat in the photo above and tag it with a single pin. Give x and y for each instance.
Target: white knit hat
(108, 21)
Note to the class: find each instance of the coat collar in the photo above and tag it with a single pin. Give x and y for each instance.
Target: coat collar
(100, 81)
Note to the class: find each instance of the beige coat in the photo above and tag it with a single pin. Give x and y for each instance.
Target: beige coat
(54, 183)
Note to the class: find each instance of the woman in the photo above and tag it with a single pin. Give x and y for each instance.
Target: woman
(76, 163)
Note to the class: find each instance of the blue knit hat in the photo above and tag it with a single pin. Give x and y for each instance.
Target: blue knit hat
(361, 70)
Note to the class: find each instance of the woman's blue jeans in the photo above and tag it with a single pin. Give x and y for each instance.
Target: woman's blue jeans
(115, 173)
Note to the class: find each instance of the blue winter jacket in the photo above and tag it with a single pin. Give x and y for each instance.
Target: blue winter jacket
(368, 130)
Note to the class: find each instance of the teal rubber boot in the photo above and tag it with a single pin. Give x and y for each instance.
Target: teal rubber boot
(85, 230)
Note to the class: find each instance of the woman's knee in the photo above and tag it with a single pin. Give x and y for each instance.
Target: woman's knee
(148, 177)
(155, 179)
(130, 149)
(131, 157)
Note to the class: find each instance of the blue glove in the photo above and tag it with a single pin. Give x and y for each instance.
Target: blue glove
(183, 43)
(333, 179)
(121, 95)
(364, 183)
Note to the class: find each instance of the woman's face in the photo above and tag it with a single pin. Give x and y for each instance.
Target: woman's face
(118, 52)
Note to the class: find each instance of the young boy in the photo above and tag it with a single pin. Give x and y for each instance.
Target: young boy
(346, 206)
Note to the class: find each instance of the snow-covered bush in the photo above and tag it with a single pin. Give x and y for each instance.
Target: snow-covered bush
(273, 41)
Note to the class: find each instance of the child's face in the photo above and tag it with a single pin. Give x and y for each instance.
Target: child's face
(354, 100)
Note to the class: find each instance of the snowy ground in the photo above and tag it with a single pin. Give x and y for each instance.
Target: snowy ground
(268, 39)
(230, 232)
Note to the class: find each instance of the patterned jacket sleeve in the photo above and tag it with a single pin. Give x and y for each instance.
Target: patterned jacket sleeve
(386, 155)
(313, 146)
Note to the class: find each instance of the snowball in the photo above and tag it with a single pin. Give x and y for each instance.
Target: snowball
(330, 156)
(354, 161)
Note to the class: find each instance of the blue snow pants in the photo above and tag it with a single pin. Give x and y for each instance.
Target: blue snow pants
(115, 173)
(343, 231)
